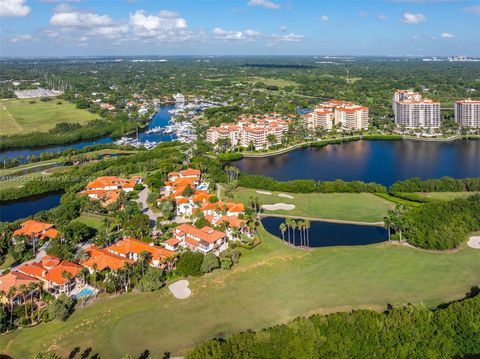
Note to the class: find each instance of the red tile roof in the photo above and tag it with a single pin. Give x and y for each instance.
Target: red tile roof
(206, 233)
(32, 228)
(132, 245)
(15, 279)
(104, 259)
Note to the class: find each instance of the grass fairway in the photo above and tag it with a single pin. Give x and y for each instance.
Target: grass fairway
(272, 284)
(21, 116)
(362, 207)
(272, 82)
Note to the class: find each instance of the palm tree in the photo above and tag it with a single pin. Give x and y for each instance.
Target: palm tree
(11, 295)
(31, 287)
(81, 256)
(388, 223)
(68, 276)
(83, 275)
(283, 228)
(288, 223)
(2, 297)
(307, 227)
(294, 227)
(94, 274)
(23, 291)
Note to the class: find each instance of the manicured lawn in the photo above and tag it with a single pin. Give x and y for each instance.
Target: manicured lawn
(21, 116)
(272, 82)
(447, 196)
(272, 284)
(92, 220)
(364, 207)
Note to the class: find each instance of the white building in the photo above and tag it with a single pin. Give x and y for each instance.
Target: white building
(330, 113)
(179, 99)
(467, 113)
(413, 111)
(254, 130)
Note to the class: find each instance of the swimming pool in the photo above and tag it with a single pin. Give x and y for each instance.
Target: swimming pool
(85, 292)
(202, 187)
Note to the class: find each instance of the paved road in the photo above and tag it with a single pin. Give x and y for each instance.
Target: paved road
(142, 198)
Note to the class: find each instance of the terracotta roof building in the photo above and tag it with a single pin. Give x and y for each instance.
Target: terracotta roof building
(131, 248)
(204, 240)
(36, 230)
(51, 270)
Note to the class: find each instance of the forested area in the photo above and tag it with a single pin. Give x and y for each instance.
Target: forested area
(450, 331)
(64, 135)
(444, 184)
(441, 225)
(307, 186)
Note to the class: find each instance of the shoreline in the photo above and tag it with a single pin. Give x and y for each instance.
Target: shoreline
(351, 139)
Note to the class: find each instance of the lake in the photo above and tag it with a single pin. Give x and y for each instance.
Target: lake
(382, 162)
(161, 118)
(325, 234)
(11, 211)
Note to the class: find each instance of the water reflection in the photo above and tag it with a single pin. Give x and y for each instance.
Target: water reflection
(372, 161)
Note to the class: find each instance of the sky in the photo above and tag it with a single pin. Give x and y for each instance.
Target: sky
(239, 27)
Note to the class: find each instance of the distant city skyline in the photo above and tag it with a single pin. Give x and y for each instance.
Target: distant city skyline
(239, 27)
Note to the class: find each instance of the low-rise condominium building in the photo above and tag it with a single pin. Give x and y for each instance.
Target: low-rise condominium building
(333, 113)
(259, 131)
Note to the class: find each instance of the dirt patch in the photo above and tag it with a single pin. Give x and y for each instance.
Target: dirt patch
(264, 192)
(284, 195)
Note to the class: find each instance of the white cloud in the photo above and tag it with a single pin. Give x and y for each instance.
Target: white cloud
(382, 17)
(164, 26)
(20, 38)
(110, 31)
(473, 9)
(447, 35)
(291, 37)
(264, 3)
(229, 35)
(324, 18)
(79, 19)
(14, 8)
(410, 18)
(283, 28)
(165, 20)
(83, 39)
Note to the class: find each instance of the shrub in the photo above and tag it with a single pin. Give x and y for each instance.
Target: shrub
(190, 263)
(210, 262)
(60, 308)
(152, 280)
(442, 225)
(230, 156)
(226, 263)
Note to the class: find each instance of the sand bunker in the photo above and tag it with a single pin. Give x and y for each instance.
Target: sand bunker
(284, 195)
(264, 192)
(274, 207)
(474, 242)
(180, 289)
